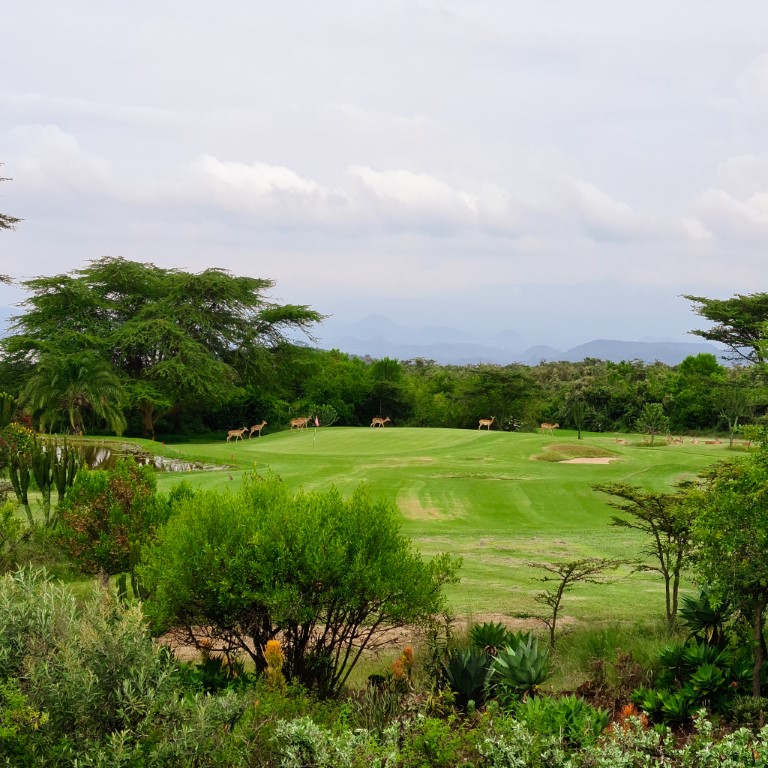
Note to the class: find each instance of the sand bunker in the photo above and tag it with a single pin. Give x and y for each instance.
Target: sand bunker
(594, 460)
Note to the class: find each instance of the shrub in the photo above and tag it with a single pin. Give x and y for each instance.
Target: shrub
(329, 574)
(107, 515)
(570, 718)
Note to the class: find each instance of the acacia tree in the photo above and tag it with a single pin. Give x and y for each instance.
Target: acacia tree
(735, 403)
(667, 519)
(739, 323)
(177, 340)
(328, 575)
(652, 420)
(586, 570)
(731, 536)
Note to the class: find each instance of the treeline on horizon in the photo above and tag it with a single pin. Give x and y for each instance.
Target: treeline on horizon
(131, 348)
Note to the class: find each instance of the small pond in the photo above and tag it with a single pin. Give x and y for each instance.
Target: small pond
(106, 455)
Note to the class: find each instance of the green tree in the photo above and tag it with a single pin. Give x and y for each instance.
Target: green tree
(735, 402)
(693, 391)
(175, 339)
(64, 388)
(739, 323)
(578, 414)
(652, 420)
(585, 570)
(501, 391)
(731, 536)
(329, 575)
(667, 520)
(387, 391)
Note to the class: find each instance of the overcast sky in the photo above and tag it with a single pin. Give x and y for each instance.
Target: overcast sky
(564, 169)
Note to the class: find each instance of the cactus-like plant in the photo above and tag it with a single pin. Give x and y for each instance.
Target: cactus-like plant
(518, 671)
(466, 672)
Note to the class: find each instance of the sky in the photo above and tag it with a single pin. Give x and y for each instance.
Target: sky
(564, 170)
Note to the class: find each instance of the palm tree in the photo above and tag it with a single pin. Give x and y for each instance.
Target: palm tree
(64, 387)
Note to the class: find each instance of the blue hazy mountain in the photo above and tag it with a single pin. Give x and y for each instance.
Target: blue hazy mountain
(378, 336)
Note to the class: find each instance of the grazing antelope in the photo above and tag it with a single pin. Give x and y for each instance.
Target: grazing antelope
(300, 423)
(620, 441)
(236, 433)
(549, 427)
(379, 422)
(257, 428)
(486, 423)
(716, 441)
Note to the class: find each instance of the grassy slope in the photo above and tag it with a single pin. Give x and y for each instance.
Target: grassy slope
(483, 496)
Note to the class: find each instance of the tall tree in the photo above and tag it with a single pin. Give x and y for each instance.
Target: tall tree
(731, 533)
(739, 323)
(667, 520)
(175, 339)
(652, 420)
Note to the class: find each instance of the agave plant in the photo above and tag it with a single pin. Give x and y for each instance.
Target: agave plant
(518, 671)
(705, 617)
(489, 636)
(466, 672)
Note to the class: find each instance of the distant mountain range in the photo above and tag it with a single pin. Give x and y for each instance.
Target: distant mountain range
(378, 336)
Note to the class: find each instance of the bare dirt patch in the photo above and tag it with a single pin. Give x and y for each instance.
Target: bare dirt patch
(593, 460)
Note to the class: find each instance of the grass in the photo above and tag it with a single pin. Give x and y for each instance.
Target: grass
(496, 499)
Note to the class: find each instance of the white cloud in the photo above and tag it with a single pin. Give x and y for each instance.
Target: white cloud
(752, 83)
(49, 161)
(602, 216)
(695, 230)
(735, 207)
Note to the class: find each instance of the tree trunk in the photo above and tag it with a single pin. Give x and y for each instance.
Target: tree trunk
(147, 421)
(759, 643)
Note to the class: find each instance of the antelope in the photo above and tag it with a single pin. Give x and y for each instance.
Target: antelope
(236, 433)
(486, 423)
(716, 441)
(256, 428)
(379, 422)
(620, 441)
(299, 423)
(549, 427)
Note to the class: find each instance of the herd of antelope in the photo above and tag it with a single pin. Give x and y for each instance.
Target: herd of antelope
(377, 421)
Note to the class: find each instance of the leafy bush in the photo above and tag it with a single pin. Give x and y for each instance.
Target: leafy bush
(301, 743)
(330, 574)
(692, 676)
(570, 718)
(107, 515)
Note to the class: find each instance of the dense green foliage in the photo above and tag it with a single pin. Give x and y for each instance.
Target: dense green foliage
(328, 575)
(153, 349)
(731, 529)
(108, 515)
(173, 339)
